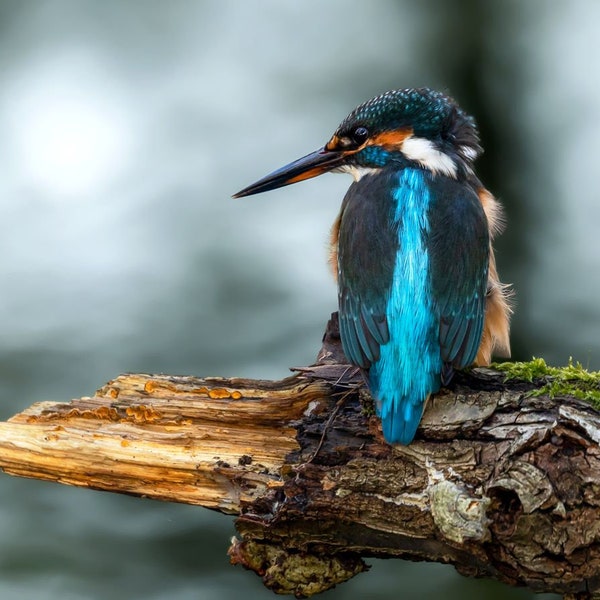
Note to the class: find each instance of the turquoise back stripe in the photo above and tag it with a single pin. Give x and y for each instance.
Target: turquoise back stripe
(409, 366)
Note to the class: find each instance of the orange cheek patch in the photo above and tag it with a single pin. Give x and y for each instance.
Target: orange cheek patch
(333, 143)
(390, 140)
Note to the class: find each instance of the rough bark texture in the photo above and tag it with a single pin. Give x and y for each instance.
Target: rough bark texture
(499, 483)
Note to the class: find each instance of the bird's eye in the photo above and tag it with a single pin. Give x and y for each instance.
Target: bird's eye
(360, 135)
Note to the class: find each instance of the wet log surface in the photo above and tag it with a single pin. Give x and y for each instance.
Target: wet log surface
(499, 482)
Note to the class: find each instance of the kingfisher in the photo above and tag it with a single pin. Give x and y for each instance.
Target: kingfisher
(418, 290)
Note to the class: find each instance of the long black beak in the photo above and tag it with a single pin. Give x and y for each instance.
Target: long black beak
(308, 166)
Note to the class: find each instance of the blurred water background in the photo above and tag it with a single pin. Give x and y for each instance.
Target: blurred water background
(124, 129)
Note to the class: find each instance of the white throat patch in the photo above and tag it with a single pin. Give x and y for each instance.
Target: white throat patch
(424, 152)
(357, 172)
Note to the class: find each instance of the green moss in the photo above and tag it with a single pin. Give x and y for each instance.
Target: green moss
(366, 400)
(570, 380)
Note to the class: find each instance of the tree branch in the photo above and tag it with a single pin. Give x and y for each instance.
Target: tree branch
(499, 482)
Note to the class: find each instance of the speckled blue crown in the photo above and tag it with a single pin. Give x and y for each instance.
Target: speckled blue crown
(427, 112)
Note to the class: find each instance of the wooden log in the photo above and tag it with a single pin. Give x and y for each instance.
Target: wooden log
(499, 482)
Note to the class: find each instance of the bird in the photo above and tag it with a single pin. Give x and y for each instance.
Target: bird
(418, 289)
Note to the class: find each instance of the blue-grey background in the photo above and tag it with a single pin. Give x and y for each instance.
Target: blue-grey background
(124, 129)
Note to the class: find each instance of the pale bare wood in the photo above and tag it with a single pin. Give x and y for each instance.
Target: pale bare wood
(212, 442)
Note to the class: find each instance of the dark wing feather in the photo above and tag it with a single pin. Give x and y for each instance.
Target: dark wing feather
(367, 246)
(459, 256)
(360, 345)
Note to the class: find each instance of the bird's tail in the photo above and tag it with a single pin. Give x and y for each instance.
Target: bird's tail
(400, 407)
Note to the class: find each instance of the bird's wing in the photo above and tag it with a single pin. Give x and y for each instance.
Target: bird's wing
(366, 261)
(458, 248)
(363, 329)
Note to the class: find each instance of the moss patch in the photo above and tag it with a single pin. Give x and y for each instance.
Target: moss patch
(367, 402)
(570, 380)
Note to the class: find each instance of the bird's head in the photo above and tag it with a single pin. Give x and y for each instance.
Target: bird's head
(418, 127)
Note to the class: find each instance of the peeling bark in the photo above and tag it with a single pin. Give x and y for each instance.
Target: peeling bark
(499, 483)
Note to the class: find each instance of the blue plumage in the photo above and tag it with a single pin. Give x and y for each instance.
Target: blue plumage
(412, 244)
(410, 363)
(428, 290)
